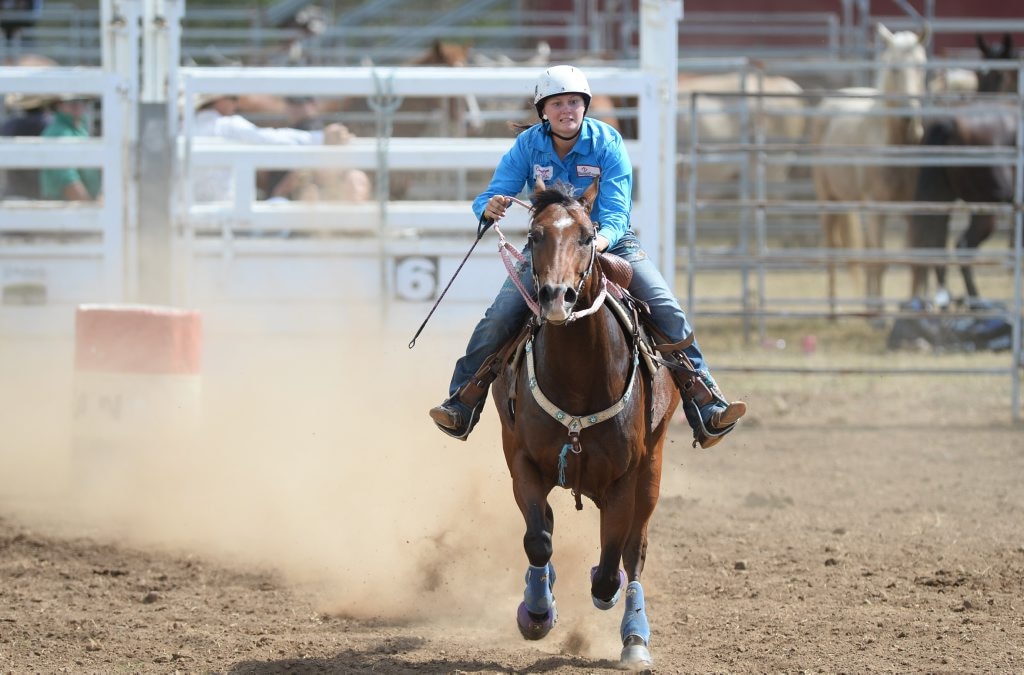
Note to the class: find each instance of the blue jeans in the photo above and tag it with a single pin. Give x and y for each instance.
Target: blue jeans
(509, 312)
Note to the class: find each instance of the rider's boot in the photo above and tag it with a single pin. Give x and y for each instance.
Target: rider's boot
(710, 415)
(460, 412)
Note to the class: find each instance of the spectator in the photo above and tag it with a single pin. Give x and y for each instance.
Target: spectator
(31, 115)
(69, 121)
(16, 16)
(317, 184)
(300, 113)
(218, 117)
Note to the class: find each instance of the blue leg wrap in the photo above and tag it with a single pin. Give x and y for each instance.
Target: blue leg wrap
(634, 618)
(539, 582)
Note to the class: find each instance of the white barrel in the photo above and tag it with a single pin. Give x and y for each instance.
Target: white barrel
(137, 389)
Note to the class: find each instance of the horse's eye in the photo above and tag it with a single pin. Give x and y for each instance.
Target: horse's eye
(534, 236)
(587, 239)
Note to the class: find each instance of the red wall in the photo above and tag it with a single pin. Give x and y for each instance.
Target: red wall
(944, 9)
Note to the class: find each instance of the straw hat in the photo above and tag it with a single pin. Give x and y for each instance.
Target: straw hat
(18, 101)
(203, 100)
(67, 98)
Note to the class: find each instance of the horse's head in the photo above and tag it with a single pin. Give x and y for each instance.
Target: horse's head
(563, 244)
(991, 79)
(903, 58)
(902, 72)
(444, 53)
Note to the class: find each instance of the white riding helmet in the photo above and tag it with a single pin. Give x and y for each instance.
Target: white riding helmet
(560, 80)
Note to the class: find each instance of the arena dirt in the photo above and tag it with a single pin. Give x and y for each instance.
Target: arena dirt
(317, 523)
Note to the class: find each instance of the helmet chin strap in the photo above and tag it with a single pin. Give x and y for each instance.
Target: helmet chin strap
(560, 136)
(565, 138)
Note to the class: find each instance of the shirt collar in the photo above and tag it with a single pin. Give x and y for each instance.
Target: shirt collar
(584, 144)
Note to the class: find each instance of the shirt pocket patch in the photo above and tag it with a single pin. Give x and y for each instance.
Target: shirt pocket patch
(543, 173)
(588, 171)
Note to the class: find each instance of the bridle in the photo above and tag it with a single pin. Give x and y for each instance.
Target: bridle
(509, 252)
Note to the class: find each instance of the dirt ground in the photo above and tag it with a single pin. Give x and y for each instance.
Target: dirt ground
(315, 522)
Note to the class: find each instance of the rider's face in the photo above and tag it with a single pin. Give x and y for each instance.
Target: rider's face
(564, 112)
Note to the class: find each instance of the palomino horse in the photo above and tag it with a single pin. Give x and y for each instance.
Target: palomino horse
(775, 106)
(862, 119)
(976, 124)
(582, 413)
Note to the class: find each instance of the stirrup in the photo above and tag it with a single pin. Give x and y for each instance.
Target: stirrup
(444, 413)
(721, 423)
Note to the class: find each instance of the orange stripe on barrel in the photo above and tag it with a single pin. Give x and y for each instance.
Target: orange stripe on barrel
(138, 339)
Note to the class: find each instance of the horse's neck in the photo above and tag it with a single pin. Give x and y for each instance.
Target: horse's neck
(591, 355)
(900, 129)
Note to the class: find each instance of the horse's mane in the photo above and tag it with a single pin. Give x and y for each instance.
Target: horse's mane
(560, 192)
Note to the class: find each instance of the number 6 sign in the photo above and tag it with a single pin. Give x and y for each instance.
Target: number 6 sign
(416, 278)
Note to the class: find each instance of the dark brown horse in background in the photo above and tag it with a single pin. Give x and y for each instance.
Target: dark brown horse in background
(582, 413)
(985, 124)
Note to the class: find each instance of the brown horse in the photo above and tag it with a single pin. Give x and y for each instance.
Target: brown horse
(582, 413)
(992, 79)
(975, 125)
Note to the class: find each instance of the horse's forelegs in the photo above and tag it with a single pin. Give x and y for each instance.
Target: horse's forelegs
(607, 581)
(874, 235)
(537, 540)
(832, 224)
(927, 232)
(981, 228)
(635, 631)
(536, 614)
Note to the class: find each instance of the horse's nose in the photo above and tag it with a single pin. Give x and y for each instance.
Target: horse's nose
(556, 300)
(550, 293)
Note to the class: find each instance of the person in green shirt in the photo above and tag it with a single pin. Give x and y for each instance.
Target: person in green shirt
(69, 184)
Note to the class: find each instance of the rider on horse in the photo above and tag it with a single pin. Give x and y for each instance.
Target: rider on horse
(566, 145)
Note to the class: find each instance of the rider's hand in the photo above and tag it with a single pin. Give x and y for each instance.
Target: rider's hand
(496, 205)
(602, 244)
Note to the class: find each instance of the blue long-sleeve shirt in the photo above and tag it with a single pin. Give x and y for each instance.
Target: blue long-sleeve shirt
(599, 153)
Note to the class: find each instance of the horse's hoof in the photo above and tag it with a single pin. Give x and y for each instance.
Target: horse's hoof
(608, 604)
(636, 657)
(533, 628)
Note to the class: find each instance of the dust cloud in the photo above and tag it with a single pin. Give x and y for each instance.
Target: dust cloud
(314, 458)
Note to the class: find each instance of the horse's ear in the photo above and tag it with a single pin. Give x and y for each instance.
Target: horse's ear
(884, 33)
(983, 45)
(925, 36)
(538, 184)
(589, 196)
